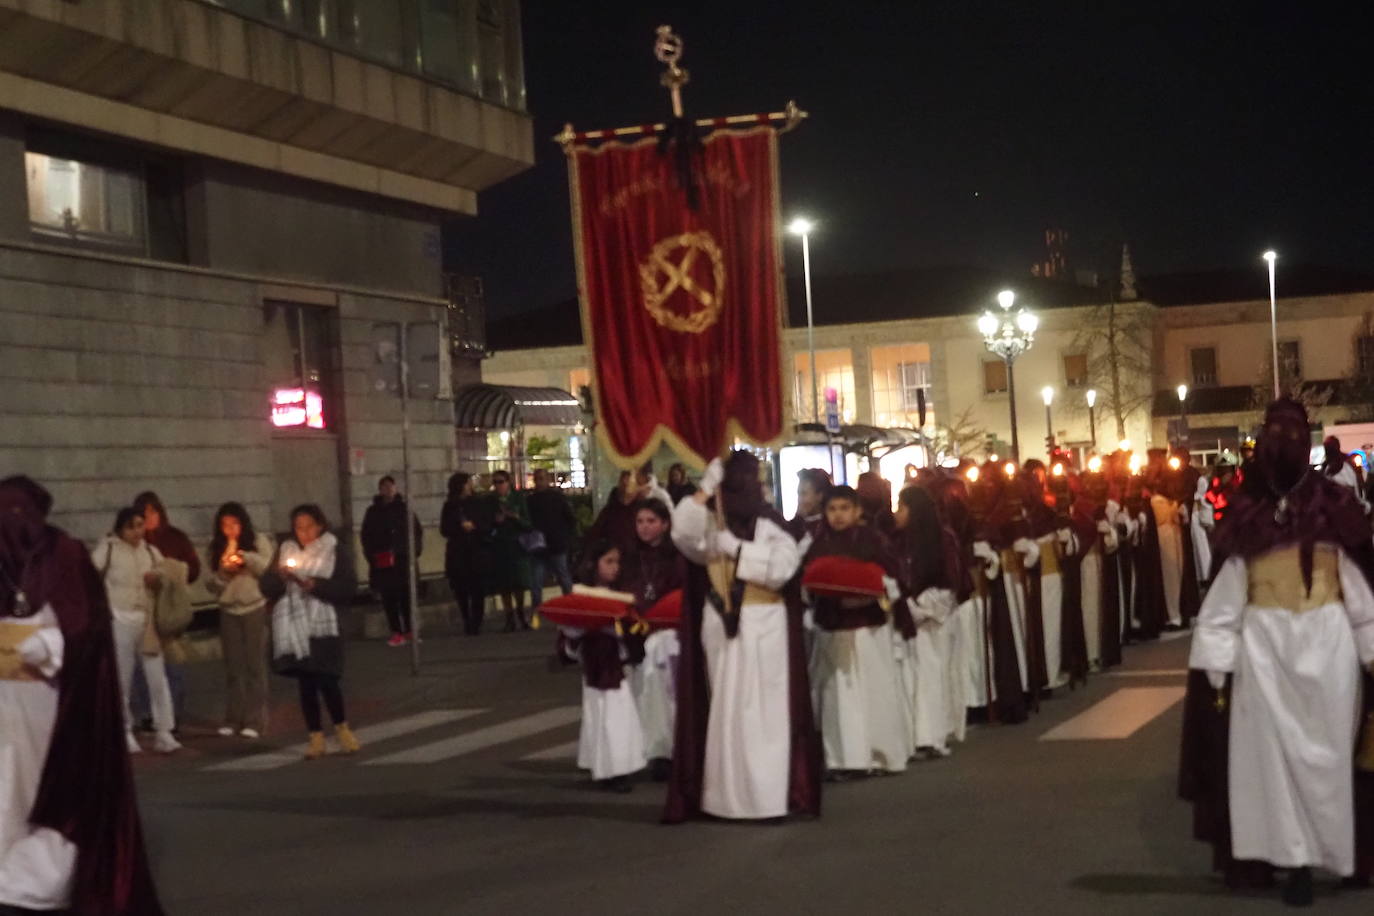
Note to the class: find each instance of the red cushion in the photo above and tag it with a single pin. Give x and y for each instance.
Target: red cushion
(666, 612)
(843, 577)
(587, 612)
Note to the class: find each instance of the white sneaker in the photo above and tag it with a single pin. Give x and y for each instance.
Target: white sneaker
(225, 731)
(250, 733)
(164, 743)
(132, 744)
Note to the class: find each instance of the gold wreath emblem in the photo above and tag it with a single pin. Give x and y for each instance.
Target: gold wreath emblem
(668, 270)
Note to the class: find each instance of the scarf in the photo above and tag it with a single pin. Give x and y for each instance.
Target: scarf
(299, 616)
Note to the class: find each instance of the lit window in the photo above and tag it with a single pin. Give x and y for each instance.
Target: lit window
(1203, 361)
(85, 202)
(899, 373)
(300, 346)
(834, 369)
(1290, 358)
(297, 407)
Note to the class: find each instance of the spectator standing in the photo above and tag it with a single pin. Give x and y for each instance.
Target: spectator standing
(128, 568)
(173, 544)
(465, 527)
(679, 487)
(510, 566)
(311, 579)
(384, 545)
(552, 516)
(237, 558)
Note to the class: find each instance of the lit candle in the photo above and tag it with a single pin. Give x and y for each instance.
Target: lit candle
(291, 563)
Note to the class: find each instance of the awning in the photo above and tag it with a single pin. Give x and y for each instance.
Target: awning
(510, 406)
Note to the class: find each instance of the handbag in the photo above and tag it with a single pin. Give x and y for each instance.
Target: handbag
(532, 541)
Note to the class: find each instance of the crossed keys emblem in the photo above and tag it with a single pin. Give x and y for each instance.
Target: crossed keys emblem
(668, 271)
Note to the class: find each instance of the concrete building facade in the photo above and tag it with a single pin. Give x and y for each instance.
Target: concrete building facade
(1220, 350)
(214, 215)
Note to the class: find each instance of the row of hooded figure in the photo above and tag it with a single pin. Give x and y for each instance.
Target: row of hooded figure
(1003, 584)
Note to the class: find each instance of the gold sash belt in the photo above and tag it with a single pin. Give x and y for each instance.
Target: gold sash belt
(12, 667)
(1276, 579)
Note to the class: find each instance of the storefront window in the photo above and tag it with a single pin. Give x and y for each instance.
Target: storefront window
(900, 373)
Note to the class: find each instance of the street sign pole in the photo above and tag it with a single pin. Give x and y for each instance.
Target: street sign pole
(412, 585)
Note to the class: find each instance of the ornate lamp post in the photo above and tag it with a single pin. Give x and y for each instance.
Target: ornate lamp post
(1092, 417)
(1008, 334)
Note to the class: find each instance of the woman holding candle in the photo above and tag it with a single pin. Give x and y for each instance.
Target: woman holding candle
(312, 577)
(237, 558)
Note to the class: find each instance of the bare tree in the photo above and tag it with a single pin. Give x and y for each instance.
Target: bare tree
(1358, 386)
(960, 435)
(1117, 338)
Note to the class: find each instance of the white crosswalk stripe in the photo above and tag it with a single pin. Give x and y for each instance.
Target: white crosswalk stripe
(565, 751)
(1120, 715)
(482, 738)
(371, 734)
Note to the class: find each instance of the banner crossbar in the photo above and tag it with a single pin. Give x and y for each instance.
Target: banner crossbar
(791, 116)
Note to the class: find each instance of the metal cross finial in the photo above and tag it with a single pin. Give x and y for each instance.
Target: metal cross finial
(668, 50)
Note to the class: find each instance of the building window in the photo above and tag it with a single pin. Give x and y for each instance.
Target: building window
(1076, 370)
(899, 373)
(301, 364)
(84, 201)
(1364, 356)
(1204, 365)
(577, 380)
(994, 376)
(1290, 358)
(834, 369)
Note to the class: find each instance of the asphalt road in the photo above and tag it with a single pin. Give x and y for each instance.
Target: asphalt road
(469, 803)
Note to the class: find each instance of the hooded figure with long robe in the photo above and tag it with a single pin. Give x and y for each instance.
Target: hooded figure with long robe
(746, 745)
(70, 837)
(1277, 654)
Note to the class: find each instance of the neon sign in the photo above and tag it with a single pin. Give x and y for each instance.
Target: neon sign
(297, 407)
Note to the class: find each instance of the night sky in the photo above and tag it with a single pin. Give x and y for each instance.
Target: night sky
(954, 133)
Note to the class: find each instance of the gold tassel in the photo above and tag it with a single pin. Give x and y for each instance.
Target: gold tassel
(1364, 761)
(536, 620)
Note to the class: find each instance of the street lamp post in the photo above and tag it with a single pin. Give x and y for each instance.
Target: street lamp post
(802, 226)
(1047, 394)
(1183, 413)
(1271, 256)
(1092, 417)
(1008, 335)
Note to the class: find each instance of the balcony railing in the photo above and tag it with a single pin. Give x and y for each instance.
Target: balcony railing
(472, 46)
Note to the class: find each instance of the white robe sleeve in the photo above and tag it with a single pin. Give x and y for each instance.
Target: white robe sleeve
(692, 530)
(1359, 607)
(1218, 628)
(770, 559)
(43, 651)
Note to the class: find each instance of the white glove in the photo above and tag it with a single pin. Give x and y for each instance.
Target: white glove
(715, 473)
(1065, 536)
(1104, 527)
(983, 551)
(1113, 510)
(1217, 679)
(1183, 514)
(1029, 550)
(727, 543)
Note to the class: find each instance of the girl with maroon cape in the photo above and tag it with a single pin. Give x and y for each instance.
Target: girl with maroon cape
(741, 623)
(77, 816)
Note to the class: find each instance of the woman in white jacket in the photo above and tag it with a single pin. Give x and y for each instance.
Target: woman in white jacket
(128, 567)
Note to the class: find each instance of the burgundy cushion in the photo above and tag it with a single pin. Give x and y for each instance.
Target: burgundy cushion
(666, 612)
(587, 612)
(843, 577)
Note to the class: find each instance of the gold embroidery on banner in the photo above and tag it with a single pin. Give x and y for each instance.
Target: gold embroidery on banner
(1276, 579)
(668, 271)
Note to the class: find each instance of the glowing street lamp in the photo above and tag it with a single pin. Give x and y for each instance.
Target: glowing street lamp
(802, 226)
(1009, 334)
(1092, 416)
(1271, 256)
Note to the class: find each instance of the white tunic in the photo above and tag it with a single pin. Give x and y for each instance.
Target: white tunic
(36, 864)
(929, 652)
(611, 742)
(1170, 554)
(748, 731)
(1294, 708)
(653, 682)
(854, 685)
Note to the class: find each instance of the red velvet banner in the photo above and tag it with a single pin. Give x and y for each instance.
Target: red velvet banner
(681, 307)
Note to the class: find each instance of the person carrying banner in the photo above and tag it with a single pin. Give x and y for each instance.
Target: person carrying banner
(746, 745)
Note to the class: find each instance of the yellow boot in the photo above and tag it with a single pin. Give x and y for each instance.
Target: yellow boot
(348, 742)
(315, 750)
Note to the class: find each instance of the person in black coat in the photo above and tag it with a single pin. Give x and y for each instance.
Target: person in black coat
(466, 525)
(384, 545)
(552, 515)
